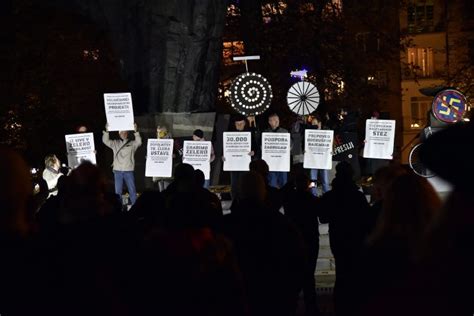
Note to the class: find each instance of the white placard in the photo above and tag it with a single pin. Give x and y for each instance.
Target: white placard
(379, 139)
(318, 149)
(237, 147)
(198, 155)
(276, 151)
(159, 158)
(119, 111)
(80, 147)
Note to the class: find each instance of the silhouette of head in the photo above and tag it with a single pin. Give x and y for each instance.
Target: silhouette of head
(410, 204)
(252, 186)
(199, 178)
(260, 166)
(198, 135)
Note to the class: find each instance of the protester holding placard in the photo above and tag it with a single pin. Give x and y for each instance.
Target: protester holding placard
(315, 174)
(198, 135)
(240, 125)
(124, 160)
(163, 182)
(276, 179)
(119, 111)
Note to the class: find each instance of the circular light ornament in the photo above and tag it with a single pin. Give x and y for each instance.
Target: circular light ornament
(250, 94)
(303, 98)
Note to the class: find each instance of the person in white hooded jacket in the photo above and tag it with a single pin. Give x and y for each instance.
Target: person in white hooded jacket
(51, 173)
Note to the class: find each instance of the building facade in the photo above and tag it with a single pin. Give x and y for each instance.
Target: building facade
(438, 50)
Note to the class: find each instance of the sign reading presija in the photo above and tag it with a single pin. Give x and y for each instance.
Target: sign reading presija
(119, 111)
(198, 155)
(379, 139)
(276, 151)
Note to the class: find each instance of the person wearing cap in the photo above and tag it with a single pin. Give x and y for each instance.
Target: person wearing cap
(276, 179)
(124, 160)
(198, 136)
(242, 124)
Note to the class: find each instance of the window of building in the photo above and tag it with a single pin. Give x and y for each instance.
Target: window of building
(419, 111)
(420, 60)
(273, 9)
(420, 16)
(231, 49)
(233, 10)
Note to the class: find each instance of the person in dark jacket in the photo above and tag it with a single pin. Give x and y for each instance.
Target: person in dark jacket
(301, 206)
(345, 208)
(240, 124)
(269, 250)
(276, 179)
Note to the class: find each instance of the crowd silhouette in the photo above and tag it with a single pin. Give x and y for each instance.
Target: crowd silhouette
(175, 253)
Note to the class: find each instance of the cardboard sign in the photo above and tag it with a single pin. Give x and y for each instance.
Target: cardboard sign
(237, 147)
(80, 147)
(119, 111)
(379, 139)
(198, 155)
(318, 149)
(276, 151)
(159, 158)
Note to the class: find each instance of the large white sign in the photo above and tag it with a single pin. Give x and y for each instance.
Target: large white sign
(80, 147)
(379, 139)
(276, 151)
(119, 111)
(318, 149)
(159, 158)
(198, 155)
(237, 148)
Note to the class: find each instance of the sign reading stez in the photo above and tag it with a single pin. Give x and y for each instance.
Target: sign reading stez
(379, 139)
